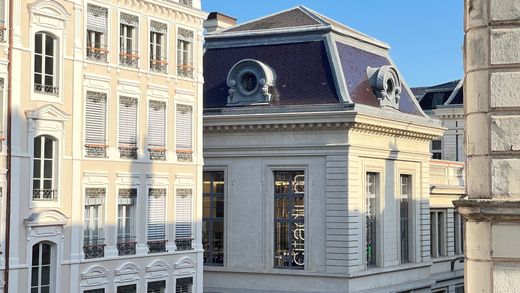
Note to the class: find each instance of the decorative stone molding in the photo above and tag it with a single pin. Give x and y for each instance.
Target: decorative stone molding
(158, 26)
(250, 82)
(49, 8)
(95, 272)
(386, 83)
(185, 263)
(46, 218)
(129, 19)
(185, 34)
(489, 210)
(127, 268)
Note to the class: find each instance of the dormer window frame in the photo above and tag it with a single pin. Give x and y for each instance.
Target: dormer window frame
(241, 91)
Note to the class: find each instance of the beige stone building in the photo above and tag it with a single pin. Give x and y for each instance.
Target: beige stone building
(104, 146)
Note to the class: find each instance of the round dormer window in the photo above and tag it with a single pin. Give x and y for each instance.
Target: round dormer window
(248, 82)
(390, 87)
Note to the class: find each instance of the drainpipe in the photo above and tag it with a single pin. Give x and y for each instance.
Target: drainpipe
(8, 145)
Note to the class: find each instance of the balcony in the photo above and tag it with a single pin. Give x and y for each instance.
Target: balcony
(98, 53)
(184, 156)
(128, 152)
(129, 58)
(45, 194)
(46, 89)
(94, 248)
(156, 246)
(447, 180)
(185, 70)
(183, 244)
(96, 150)
(159, 65)
(157, 154)
(126, 245)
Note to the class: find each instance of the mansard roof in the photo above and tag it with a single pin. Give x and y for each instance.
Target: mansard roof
(295, 17)
(445, 94)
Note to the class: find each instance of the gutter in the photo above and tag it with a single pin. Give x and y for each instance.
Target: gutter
(8, 145)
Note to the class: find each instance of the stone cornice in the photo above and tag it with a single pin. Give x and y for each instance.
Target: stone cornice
(496, 210)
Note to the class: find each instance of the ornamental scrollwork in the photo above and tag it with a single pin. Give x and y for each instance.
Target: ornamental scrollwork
(129, 19)
(184, 192)
(96, 97)
(158, 26)
(157, 192)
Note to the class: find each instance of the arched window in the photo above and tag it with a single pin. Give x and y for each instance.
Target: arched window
(45, 63)
(42, 271)
(44, 162)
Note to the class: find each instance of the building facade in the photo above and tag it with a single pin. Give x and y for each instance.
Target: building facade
(105, 149)
(317, 173)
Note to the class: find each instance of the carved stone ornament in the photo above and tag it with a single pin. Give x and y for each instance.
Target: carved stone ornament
(185, 34)
(386, 83)
(128, 192)
(184, 108)
(97, 11)
(96, 97)
(157, 105)
(158, 26)
(129, 19)
(95, 192)
(157, 192)
(128, 101)
(184, 192)
(250, 82)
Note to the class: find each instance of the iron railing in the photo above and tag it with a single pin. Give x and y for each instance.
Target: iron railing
(97, 53)
(157, 154)
(47, 89)
(126, 245)
(129, 58)
(159, 65)
(96, 150)
(185, 70)
(94, 248)
(45, 194)
(183, 244)
(157, 246)
(128, 152)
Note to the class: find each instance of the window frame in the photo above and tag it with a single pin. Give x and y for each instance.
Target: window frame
(55, 64)
(184, 155)
(181, 63)
(106, 35)
(118, 286)
(128, 150)
(42, 159)
(157, 281)
(377, 197)
(135, 43)
(165, 53)
(440, 245)
(409, 219)
(211, 195)
(101, 220)
(105, 144)
(437, 153)
(52, 266)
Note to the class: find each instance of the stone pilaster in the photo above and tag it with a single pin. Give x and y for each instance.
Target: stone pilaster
(492, 107)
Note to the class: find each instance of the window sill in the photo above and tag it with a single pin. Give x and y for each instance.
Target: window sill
(379, 270)
(445, 258)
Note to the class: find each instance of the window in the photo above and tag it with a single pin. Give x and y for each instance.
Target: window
(289, 219)
(437, 233)
(443, 290)
(95, 125)
(97, 23)
(129, 54)
(404, 216)
(127, 128)
(44, 172)
(156, 287)
(45, 63)
(213, 218)
(184, 53)
(95, 291)
(437, 149)
(371, 195)
(158, 52)
(183, 133)
(183, 219)
(459, 289)
(42, 271)
(127, 289)
(94, 244)
(157, 130)
(2, 20)
(126, 221)
(459, 233)
(438, 99)
(183, 285)
(156, 220)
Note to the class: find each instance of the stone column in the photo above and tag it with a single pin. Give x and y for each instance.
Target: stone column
(492, 107)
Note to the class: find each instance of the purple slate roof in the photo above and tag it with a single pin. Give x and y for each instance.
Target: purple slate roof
(292, 18)
(303, 73)
(354, 63)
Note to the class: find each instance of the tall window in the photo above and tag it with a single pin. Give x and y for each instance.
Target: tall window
(94, 244)
(185, 53)
(95, 125)
(213, 218)
(129, 54)
(44, 168)
(183, 219)
(157, 130)
(289, 219)
(156, 287)
(127, 289)
(183, 129)
(437, 149)
(371, 195)
(438, 233)
(45, 63)
(158, 53)
(184, 285)
(126, 221)
(127, 128)
(459, 233)
(97, 23)
(100, 290)
(156, 220)
(404, 216)
(42, 271)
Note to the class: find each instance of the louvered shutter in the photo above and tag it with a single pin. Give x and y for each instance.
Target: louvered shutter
(183, 213)
(184, 127)
(95, 124)
(156, 214)
(128, 121)
(156, 124)
(97, 18)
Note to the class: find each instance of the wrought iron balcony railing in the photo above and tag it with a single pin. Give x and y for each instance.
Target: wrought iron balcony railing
(96, 150)
(126, 245)
(156, 246)
(183, 244)
(157, 154)
(129, 58)
(159, 65)
(185, 70)
(97, 53)
(47, 89)
(184, 156)
(128, 152)
(45, 194)
(94, 248)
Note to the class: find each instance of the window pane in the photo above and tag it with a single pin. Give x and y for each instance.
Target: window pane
(46, 254)
(218, 242)
(34, 276)
(281, 247)
(37, 147)
(37, 63)
(37, 79)
(281, 208)
(47, 169)
(37, 169)
(49, 80)
(206, 206)
(48, 148)
(49, 65)
(49, 46)
(281, 184)
(47, 184)
(38, 43)
(219, 206)
(46, 275)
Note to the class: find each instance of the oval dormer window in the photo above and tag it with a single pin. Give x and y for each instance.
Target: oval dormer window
(386, 84)
(250, 83)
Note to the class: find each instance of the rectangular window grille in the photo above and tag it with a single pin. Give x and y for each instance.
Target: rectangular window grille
(156, 220)
(156, 287)
(127, 289)
(184, 53)
(289, 219)
(129, 27)
(127, 128)
(184, 129)
(213, 218)
(157, 130)
(371, 195)
(404, 217)
(94, 244)
(95, 124)
(184, 285)
(183, 218)
(438, 233)
(158, 51)
(97, 23)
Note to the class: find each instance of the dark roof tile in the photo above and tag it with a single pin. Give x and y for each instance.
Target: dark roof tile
(292, 18)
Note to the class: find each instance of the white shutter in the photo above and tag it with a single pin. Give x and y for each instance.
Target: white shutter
(95, 118)
(183, 213)
(184, 127)
(127, 120)
(156, 124)
(156, 214)
(97, 18)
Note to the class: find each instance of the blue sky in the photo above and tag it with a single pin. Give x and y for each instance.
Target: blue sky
(426, 36)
